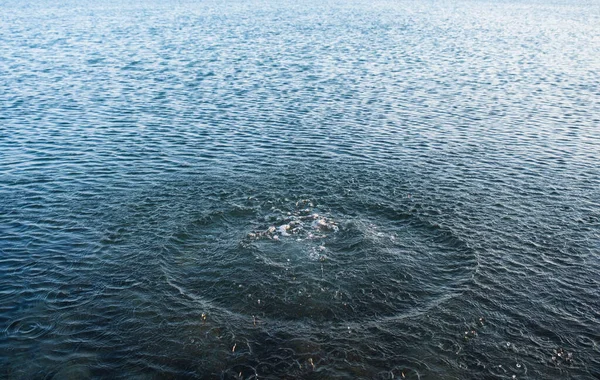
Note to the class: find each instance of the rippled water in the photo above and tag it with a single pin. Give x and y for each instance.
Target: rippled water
(300, 189)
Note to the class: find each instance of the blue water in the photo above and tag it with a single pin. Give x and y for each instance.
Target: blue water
(319, 189)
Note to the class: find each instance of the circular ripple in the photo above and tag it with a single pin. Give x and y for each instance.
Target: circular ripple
(295, 260)
(28, 328)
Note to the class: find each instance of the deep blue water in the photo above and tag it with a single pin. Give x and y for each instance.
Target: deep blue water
(319, 189)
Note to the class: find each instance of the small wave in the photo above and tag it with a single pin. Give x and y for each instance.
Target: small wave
(28, 328)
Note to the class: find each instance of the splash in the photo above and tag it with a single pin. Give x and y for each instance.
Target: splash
(302, 223)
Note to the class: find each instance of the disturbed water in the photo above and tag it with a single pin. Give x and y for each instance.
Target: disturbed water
(300, 189)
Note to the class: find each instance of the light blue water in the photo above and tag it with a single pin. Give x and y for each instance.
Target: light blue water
(275, 189)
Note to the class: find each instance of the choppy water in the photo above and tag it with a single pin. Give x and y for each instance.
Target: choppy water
(300, 189)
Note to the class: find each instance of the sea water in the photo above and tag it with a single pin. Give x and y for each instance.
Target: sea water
(313, 189)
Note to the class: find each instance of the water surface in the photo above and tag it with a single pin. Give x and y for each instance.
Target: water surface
(336, 189)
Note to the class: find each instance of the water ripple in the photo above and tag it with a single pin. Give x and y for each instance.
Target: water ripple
(337, 190)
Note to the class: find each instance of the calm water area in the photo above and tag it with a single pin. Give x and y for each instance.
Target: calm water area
(309, 189)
